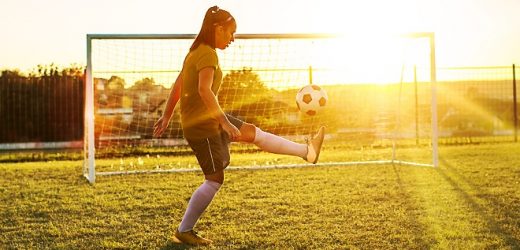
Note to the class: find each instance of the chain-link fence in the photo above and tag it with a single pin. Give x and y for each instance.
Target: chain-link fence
(475, 104)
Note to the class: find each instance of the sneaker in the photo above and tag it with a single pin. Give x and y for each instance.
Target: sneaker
(314, 146)
(190, 237)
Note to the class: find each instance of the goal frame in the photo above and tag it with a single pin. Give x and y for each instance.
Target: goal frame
(89, 162)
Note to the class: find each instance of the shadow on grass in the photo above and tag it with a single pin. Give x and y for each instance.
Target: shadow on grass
(172, 245)
(484, 213)
(419, 229)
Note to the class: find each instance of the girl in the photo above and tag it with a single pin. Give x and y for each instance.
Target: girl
(207, 128)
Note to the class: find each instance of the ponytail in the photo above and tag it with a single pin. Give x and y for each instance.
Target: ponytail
(214, 16)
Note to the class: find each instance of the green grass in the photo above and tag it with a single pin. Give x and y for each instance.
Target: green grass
(472, 201)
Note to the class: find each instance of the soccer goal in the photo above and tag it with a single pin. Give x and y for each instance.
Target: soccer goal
(381, 106)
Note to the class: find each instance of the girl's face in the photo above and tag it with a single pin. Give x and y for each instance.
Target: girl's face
(224, 35)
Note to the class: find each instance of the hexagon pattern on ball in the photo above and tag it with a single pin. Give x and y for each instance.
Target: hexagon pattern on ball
(311, 99)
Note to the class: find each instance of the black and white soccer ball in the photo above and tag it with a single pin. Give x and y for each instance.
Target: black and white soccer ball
(311, 99)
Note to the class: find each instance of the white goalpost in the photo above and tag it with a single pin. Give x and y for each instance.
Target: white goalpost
(382, 106)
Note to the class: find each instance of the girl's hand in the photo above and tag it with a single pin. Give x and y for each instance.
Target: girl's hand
(160, 126)
(231, 130)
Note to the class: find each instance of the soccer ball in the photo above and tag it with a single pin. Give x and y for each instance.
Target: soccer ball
(311, 99)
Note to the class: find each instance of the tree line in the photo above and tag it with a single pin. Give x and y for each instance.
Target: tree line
(45, 105)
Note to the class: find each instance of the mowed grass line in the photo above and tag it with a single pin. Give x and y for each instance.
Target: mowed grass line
(471, 202)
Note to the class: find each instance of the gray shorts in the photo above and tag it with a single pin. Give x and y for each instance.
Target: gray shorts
(213, 152)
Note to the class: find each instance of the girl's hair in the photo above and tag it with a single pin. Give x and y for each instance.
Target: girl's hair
(214, 16)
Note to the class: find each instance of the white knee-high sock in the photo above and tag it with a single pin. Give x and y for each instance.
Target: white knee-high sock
(278, 145)
(199, 201)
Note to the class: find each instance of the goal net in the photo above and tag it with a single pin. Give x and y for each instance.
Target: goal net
(381, 106)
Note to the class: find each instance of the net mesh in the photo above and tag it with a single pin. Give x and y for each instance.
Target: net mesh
(379, 97)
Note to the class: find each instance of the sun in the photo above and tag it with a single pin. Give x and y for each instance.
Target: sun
(370, 59)
(370, 48)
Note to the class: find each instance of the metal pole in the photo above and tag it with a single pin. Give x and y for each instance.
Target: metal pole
(89, 117)
(310, 74)
(433, 79)
(515, 111)
(416, 106)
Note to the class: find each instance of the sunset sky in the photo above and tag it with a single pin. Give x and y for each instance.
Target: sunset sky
(468, 32)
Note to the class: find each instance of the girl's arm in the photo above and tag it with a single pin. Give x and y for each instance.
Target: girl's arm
(211, 102)
(175, 94)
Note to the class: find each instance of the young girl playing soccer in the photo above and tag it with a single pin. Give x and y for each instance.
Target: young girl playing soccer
(207, 128)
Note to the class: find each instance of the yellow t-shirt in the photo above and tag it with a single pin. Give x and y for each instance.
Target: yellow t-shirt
(197, 122)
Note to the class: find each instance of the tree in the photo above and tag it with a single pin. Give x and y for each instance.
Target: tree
(116, 83)
(243, 94)
(7, 73)
(145, 84)
(74, 70)
(241, 87)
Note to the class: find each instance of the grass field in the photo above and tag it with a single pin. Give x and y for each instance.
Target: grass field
(472, 201)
